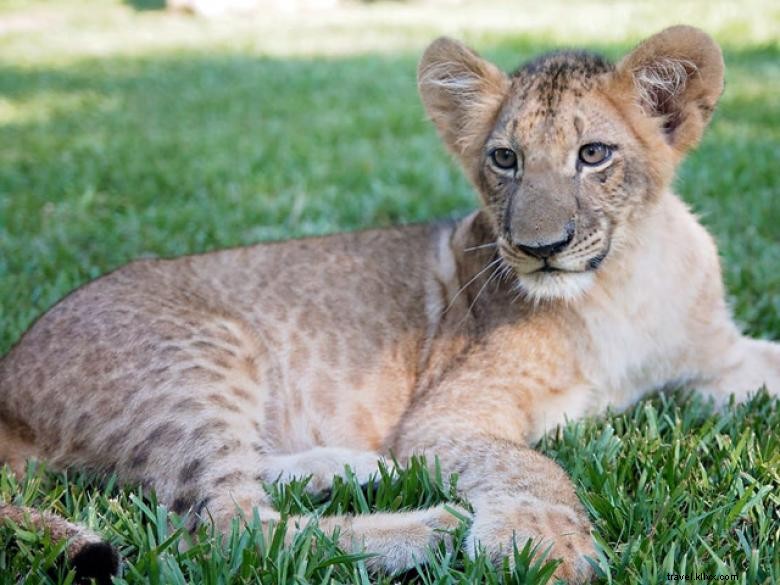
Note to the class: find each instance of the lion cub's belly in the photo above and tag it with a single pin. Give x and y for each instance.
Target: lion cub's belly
(303, 388)
(353, 407)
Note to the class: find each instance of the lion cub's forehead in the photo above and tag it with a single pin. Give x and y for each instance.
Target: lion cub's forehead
(549, 88)
(555, 75)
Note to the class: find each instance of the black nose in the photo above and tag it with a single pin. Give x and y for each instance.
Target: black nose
(543, 251)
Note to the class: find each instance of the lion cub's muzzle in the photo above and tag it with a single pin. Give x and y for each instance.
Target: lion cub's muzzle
(572, 249)
(544, 249)
(548, 229)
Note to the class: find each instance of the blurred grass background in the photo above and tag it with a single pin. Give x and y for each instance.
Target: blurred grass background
(127, 132)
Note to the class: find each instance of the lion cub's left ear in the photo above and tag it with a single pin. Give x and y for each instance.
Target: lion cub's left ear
(677, 78)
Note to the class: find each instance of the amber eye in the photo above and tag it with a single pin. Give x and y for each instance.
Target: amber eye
(504, 158)
(594, 153)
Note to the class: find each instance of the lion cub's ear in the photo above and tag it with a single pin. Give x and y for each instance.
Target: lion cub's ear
(461, 92)
(676, 76)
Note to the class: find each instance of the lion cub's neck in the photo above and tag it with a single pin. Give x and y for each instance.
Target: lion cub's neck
(637, 319)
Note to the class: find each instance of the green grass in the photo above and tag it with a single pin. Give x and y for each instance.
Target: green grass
(127, 134)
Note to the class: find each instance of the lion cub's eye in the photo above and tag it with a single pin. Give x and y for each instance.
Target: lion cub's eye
(594, 153)
(504, 158)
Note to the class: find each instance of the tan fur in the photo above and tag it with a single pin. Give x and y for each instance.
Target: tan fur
(201, 376)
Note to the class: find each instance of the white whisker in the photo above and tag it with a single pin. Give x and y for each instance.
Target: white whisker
(465, 286)
(496, 270)
(482, 247)
(487, 282)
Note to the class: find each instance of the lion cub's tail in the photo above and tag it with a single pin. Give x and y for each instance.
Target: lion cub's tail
(89, 555)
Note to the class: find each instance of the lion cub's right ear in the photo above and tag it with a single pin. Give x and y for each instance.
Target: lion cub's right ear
(676, 77)
(461, 92)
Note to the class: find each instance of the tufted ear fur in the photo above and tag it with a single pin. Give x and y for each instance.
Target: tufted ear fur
(676, 77)
(462, 94)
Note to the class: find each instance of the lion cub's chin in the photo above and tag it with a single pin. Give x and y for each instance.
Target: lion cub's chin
(555, 286)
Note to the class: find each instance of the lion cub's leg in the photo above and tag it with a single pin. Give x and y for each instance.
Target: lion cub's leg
(16, 446)
(397, 541)
(231, 487)
(742, 369)
(518, 495)
(473, 425)
(321, 465)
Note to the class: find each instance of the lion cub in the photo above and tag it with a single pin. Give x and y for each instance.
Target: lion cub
(582, 282)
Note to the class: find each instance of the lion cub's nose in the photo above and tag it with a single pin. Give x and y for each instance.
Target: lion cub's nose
(543, 250)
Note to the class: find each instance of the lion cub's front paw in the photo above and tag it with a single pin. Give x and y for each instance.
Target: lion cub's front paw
(562, 531)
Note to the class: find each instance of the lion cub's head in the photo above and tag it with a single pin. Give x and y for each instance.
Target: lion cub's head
(570, 151)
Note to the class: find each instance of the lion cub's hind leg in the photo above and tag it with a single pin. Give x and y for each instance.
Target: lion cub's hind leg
(17, 444)
(742, 370)
(321, 465)
(397, 541)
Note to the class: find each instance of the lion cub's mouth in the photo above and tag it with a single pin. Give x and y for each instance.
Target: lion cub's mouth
(560, 264)
(550, 269)
(565, 276)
